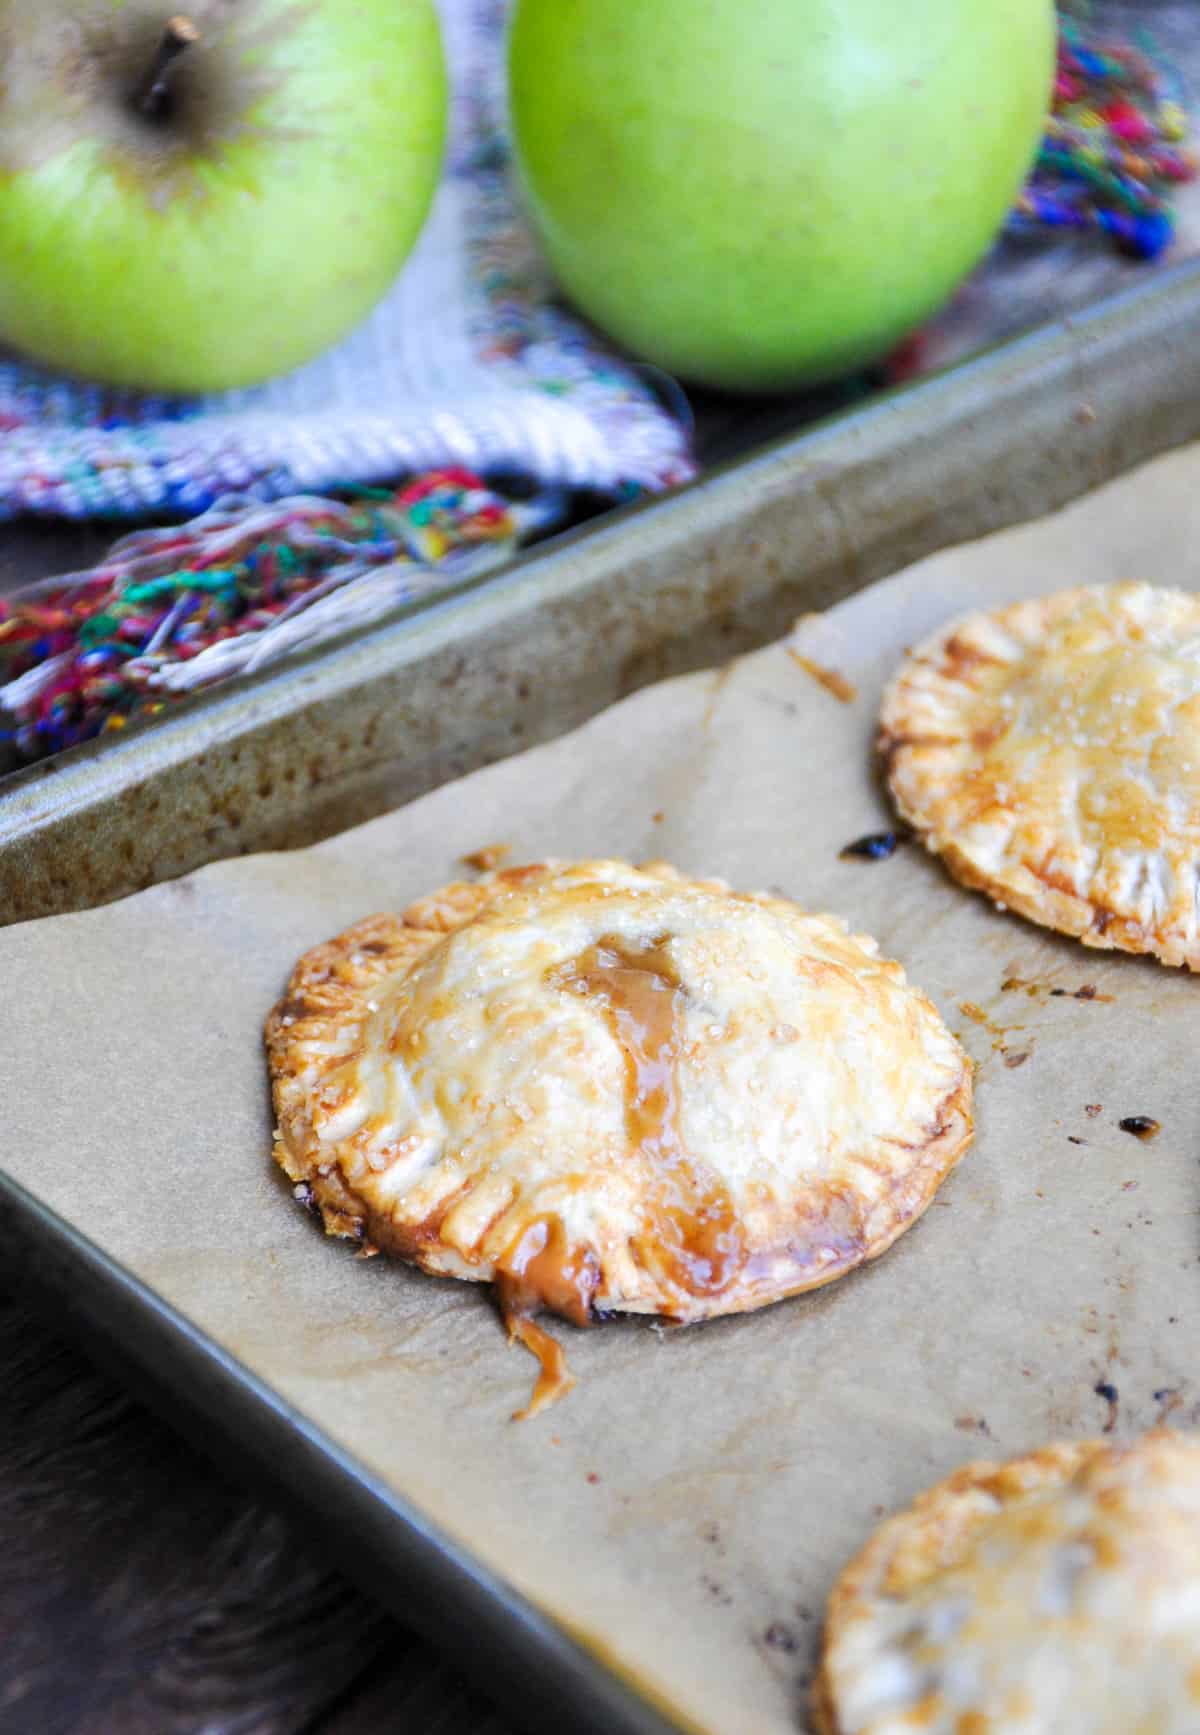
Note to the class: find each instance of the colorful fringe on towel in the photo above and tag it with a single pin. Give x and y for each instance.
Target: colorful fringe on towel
(168, 611)
(1114, 145)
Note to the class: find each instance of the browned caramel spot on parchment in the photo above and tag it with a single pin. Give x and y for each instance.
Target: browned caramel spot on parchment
(1142, 1126)
(998, 1032)
(491, 856)
(1047, 990)
(830, 679)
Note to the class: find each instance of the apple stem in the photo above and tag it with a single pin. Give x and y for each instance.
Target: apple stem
(152, 97)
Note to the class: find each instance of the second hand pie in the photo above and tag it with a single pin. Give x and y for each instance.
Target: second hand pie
(1049, 752)
(612, 1089)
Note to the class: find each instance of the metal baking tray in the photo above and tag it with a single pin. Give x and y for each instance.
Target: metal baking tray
(716, 568)
(436, 690)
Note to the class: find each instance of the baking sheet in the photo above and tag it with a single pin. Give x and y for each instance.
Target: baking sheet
(685, 1509)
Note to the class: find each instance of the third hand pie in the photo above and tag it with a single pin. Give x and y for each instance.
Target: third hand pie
(1053, 1595)
(613, 1089)
(1049, 752)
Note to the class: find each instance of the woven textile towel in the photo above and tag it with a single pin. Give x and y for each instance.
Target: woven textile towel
(466, 362)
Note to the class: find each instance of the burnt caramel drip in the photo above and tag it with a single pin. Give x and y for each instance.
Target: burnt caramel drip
(542, 1269)
(689, 1229)
(554, 1381)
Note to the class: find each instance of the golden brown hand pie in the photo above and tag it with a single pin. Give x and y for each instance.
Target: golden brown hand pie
(1055, 1595)
(606, 1088)
(1050, 753)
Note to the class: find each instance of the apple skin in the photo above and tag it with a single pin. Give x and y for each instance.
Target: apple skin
(250, 231)
(759, 194)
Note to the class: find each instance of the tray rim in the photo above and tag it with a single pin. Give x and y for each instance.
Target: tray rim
(796, 523)
(1163, 289)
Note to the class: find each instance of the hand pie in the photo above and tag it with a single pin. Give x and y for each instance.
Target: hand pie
(1050, 753)
(613, 1089)
(1057, 1593)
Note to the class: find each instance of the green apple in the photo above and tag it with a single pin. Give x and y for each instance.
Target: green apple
(199, 201)
(763, 193)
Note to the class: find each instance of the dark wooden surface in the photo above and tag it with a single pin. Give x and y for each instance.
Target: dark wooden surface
(143, 1593)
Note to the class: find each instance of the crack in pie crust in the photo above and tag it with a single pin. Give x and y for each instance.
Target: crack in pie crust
(1050, 753)
(614, 1089)
(1058, 1592)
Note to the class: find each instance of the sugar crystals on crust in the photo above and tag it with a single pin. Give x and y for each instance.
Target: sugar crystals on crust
(611, 1089)
(1050, 753)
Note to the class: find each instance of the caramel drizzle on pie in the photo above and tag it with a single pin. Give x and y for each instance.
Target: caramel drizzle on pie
(689, 1234)
(689, 1225)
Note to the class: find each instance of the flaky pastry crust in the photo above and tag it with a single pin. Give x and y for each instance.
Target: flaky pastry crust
(608, 1088)
(1057, 1592)
(1049, 752)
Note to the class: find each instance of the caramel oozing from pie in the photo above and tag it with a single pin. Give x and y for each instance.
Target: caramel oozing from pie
(543, 1270)
(689, 1235)
(689, 1226)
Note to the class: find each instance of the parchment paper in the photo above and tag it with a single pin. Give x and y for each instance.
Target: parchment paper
(688, 1505)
